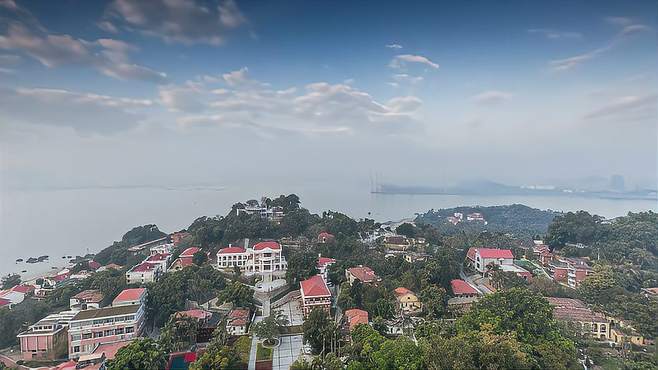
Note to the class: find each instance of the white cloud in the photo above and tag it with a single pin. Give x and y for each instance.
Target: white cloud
(319, 107)
(107, 26)
(182, 21)
(84, 112)
(394, 46)
(407, 78)
(627, 108)
(491, 97)
(108, 56)
(552, 34)
(628, 28)
(401, 60)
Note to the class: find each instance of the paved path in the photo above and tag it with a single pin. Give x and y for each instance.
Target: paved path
(254, 346)
(287, 352)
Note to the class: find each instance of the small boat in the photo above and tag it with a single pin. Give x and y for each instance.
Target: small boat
(24, 271)
(19, 260)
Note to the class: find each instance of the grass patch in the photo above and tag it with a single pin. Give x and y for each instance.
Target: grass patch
(263, 353)
(243, 347)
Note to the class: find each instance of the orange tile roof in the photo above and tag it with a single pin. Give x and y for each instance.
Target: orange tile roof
(314, 287)
(131, 294)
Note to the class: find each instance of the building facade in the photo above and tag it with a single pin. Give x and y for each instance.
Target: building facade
(90, 328)
(315, 294)
(143, 273)
(483, 257)
(263, 257)
(47, 339)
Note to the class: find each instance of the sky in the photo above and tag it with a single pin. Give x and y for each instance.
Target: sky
(162, 92)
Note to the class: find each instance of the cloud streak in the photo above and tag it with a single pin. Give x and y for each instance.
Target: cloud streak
(183, 21)
(402, 60)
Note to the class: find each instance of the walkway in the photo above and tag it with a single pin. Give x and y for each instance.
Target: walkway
(254, 346)
(287, 352)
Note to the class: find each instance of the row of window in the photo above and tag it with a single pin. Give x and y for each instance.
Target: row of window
(103, 333)
(112, 320)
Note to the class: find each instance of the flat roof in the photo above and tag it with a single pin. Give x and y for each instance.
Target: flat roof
(106, 312)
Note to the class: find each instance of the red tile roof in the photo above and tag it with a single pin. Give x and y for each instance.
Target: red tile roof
(460, 287)
(401, 291)
(323, 261)
(315, 287)
(113, 266)
(495, 253)
(231, 250)
(471, 254)
(131, 294)
(183, 261)
(158, 257)
(363, 273)
(196, 314)
(93, 265)
(325, 235)
(355, 317)
(189, 252)
(4, 302)
(23, 288)
(90, 295)
(238, 313)
(110, 349)
(263, 245)
(143, 267)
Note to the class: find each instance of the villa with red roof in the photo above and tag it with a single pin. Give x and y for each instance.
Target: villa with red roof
(263, 257)
(363, 273)
(354, 317)
(315, 294)
(144, 273)
(161, 259)
(407, 301)
(483, 257)
(460, 288)
(185, 258)
(130, 296)
(325, 237)
(237, 321)
(323, 266)
(87, 299)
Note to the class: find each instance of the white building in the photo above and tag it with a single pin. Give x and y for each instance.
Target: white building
(144, 273)
(271, 214)
(162, 248)
(160, 259)
(483, 257)
(323, 267)
(264, 257)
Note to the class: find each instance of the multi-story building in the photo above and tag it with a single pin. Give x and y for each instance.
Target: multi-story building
(573, 310)
(160, 259)
(90, 328)
(263, 257)
(397, 242)
(274, 214)
(130, 297)
(185, 259)
(87, 299)
(144, 273)
(237, 321)
(354, 317)
(323, 267)
(362, 273)
(407, 301)
(315, 294)
(47, 339)
(483, 257)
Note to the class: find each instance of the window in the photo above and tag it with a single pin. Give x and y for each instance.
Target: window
(130, 329)
(86, 336)
(76, 337)
(76, 349)
(119, 331)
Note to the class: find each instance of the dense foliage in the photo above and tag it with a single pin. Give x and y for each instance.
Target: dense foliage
(118, 252)
(170, 293)
(516, 219)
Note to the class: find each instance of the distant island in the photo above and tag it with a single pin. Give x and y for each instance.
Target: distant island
(485, 187)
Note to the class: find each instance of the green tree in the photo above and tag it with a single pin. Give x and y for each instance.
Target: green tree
(407, 230)
(237, 293)
(271, 327)
(435, 301)
(140, 354)
(320, 332)
(199, 258)
(10, 281)
(179, 333)
(401, 353)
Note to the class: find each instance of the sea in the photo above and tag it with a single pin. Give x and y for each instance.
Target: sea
(70, 222)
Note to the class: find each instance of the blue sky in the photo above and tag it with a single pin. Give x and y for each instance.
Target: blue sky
(569, 84)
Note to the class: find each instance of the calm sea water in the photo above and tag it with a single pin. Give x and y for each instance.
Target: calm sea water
(74, 222)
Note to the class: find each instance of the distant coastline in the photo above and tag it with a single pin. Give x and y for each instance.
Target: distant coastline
(485, 188)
